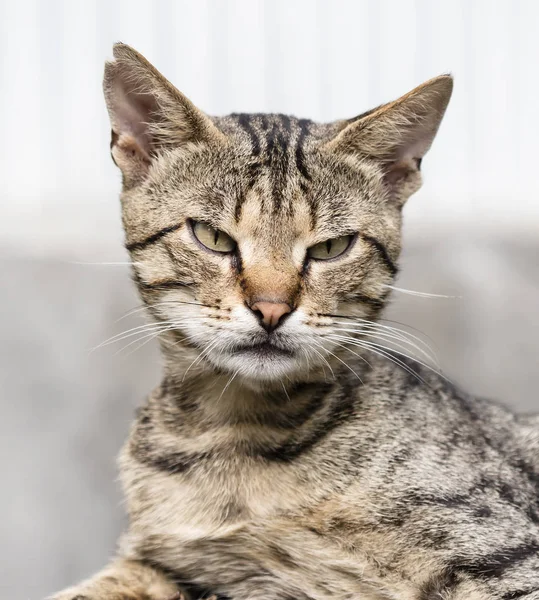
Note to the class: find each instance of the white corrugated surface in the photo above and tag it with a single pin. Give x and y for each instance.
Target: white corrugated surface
(322, 59)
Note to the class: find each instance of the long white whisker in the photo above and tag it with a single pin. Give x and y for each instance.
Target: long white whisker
(387, 348)
(355, 353)
(142, 308)
(340, 360)
(420, 294)
(323, 358)
(133, 331)
(227, 385)
(146, 328)
(205, 351)
(401, 333)
(394, 335)
(286, 393)
(148, 337)
(380, 352)
(430, 356)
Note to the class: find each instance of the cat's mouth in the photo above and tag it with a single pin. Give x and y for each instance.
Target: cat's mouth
(264, 349)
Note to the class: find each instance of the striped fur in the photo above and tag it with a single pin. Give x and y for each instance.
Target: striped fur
(298, 463)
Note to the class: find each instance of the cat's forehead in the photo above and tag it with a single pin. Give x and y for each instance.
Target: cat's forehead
(268, 133)
(270, 181)
(271, 171)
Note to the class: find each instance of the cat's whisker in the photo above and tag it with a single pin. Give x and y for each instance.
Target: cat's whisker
(402, 333)
(307, 356)
(131, 332)
(398, 341)
(204, 352)
(170, 326)
(146, 328)
(324, 359)
(354, 353)
(430, 356)
(227, 385)
(380, 323)
(175, 326)
(285, 391)
(389, 349)
(144, 307)
(420, 294)
(148, 337)
(426, 351)
(380, 352)
(368, 323)
(340, 360)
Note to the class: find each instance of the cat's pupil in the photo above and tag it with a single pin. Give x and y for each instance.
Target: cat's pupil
(328, 246)
(215, 237)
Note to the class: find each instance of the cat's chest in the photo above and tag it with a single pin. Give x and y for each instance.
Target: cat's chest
(214, 533)
(212, 503)
(217, 526)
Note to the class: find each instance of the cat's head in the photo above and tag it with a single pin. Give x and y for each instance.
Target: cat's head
(250, 232)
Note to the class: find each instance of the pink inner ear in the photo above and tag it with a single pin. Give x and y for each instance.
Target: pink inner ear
(132, 114)
(130, 147)
(414, 142)
(397, 171)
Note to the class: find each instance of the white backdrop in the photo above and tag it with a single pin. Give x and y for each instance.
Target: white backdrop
(322, 59)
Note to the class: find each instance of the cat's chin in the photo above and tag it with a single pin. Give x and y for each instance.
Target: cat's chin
(261, 362)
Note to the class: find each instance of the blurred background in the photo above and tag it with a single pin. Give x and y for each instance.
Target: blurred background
(472, 231)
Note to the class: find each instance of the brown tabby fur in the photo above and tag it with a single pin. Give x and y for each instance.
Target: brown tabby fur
(312, 468)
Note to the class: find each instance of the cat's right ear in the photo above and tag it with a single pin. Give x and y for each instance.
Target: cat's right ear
(147, 113)
(397, 135)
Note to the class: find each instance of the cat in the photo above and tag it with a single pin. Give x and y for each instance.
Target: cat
(286, 453)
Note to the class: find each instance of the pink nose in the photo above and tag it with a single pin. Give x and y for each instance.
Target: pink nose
(271, 313)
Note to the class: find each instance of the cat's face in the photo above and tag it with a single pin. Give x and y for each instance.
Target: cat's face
(249, 233)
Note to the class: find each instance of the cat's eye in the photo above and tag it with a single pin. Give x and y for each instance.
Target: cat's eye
(213, 239)
(330, 248)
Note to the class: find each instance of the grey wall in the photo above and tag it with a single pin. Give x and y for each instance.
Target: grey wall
(472, 231)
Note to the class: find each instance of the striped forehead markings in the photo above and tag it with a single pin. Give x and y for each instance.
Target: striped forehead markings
(271, 143)
(244, 121)
(300, 156)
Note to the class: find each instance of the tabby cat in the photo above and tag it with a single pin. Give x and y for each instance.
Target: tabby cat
(289, 453)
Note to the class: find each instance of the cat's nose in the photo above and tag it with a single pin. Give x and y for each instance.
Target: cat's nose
(270, 314)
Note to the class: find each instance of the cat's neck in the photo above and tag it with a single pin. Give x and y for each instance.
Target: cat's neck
(220, 399)
(195, 393)
(200, 396)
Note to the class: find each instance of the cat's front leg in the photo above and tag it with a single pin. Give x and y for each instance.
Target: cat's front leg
(124, 580)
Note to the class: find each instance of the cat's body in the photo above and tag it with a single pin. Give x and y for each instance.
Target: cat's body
(285, 456)
(392, 486)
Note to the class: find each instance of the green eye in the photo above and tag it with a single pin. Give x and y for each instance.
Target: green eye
(330, 248)
(213, 239)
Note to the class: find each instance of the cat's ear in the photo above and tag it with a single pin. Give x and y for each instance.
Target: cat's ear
(398, 134)
(147, 113)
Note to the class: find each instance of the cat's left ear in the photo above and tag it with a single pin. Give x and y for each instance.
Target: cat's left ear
(397, 135)
(148, 114)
